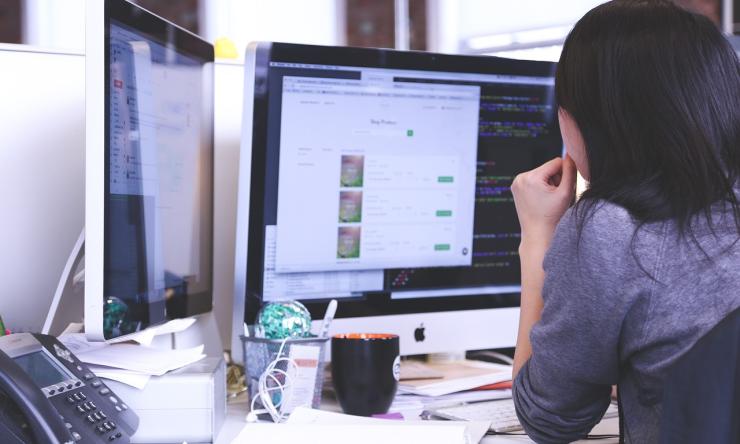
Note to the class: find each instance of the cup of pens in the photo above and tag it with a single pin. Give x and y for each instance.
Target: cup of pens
(365, 369)
(282, 355)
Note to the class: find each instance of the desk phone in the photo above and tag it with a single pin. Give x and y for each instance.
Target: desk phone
(48, 396)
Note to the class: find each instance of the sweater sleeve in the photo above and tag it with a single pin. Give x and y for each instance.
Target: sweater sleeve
(562, 392)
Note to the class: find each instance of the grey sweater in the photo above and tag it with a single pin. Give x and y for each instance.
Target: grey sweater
(607, 321)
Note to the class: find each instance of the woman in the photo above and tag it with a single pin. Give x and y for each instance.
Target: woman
(617, 287)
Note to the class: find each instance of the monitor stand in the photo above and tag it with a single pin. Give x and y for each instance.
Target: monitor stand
(68, 306)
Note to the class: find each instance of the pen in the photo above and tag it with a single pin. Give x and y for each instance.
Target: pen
(328, 317)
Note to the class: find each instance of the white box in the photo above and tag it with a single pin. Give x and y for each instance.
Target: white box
(188, 404)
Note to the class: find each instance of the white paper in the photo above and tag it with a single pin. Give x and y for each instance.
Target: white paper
(302, 377)
(77, 343)
(488, 373)
(409, 401)
(146, 336)
(73, 327)
(351, 433)
(137, 358)
(421, 431)
(128, 377)
(142, 359)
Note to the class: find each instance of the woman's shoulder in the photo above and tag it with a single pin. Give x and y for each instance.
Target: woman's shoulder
(597, 221)
(600, 235)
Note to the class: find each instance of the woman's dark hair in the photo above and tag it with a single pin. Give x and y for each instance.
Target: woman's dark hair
(655, 91)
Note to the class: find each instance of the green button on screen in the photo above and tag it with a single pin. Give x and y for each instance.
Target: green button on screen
(444, 213)
(441, 247)
(445, 179)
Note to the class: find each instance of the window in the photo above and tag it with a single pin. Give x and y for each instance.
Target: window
(10, 21)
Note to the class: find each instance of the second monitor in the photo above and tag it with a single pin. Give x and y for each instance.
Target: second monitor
(149, 171)
(382, 179)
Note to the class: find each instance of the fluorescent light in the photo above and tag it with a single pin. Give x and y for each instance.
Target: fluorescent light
(544, 53)
(490, 41)
(541, 35)
(527, 37)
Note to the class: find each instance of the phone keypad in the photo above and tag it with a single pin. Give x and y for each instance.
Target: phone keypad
(106, 426)
(97, 418)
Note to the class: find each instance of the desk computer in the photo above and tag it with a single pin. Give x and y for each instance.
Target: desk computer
(149, 171)
(381, 179)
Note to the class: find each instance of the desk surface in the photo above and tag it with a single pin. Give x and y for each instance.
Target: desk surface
(237, 412)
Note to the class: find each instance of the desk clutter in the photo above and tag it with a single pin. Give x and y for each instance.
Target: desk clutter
(135, 361)
(426, 386)
(458, 417)
(384, 398)
(180, 386)
(314, 426)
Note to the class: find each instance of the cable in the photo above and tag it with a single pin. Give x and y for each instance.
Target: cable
(269, 383)
(589, 437)
(495, 355)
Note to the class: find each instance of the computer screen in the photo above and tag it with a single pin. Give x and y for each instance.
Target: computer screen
(382, 179)
(158, 172)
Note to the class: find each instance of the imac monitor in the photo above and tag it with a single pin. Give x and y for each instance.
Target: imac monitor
(149, 171)
(382, 179)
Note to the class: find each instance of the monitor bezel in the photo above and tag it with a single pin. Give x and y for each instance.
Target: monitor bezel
(259, 56)
(98, 17)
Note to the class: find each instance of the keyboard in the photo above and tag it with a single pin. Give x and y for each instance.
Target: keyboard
(501, 413)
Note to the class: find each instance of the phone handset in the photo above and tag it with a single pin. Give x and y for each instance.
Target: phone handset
(43, 419)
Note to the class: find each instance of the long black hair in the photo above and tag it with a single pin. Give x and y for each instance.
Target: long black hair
(655, 91)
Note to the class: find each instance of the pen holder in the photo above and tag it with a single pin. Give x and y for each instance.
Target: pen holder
(260, 352)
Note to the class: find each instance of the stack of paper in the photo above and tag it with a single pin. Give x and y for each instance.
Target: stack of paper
(430, 386)
(128, 377)
(413, 370)
(309, 425)
(408, 401)
(411, 406)
(457, 377)
(130, 364)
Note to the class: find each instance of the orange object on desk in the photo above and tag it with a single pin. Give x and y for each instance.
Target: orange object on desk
(497, 386)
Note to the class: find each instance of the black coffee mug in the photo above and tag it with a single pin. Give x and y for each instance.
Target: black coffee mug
(365, 368)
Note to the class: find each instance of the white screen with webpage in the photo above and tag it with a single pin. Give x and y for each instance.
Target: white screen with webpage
(381, 174)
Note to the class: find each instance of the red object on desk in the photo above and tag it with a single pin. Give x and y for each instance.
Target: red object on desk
(497, 386)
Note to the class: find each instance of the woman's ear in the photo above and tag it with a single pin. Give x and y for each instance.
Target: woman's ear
(573, 140)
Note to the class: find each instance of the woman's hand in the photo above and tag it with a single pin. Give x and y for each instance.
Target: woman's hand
(541, 197)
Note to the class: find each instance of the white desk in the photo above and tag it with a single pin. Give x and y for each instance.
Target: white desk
(237, 411)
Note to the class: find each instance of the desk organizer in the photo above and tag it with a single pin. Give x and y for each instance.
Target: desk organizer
(260, 352)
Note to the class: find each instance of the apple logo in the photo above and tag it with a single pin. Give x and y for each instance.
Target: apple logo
(419, 333)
